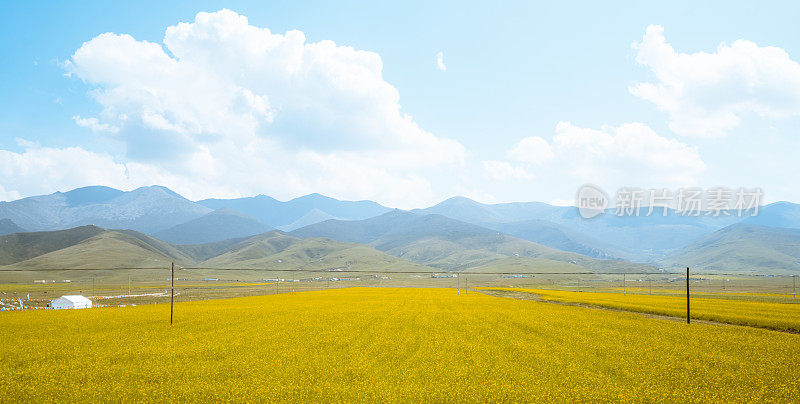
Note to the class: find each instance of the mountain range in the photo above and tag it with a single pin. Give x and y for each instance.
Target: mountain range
(456, 234)
(92, 247)
(146, 209)
(298, 212)
(441, 242)
(420, 243)
(742, 248)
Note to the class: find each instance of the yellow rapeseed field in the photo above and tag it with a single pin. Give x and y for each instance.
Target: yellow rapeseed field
(777, 316)
(382, 344)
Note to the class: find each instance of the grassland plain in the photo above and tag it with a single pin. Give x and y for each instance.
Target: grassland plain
(386, 344)
(784, 316)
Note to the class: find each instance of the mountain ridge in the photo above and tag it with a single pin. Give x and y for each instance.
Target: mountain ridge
(442, 242)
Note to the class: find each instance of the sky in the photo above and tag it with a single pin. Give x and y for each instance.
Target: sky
(406, 103)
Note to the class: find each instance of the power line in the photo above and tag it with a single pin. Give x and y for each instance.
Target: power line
(349, 271)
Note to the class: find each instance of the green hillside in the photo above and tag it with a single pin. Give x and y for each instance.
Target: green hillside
(397, 241)
(7, 226)
(279, 251)
(252, 249)
(22, 246)
(109, 249)
(202, 252)
(91, 247)
(743, 248)
(218, 225)
(449, 244)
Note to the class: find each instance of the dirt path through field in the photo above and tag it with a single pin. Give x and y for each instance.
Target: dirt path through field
(532, 296)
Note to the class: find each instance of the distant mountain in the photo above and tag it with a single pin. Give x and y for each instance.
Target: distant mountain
(91, 195)
(279, 251)
(645, 238)
(218, 225)
(560, 237)
(456, 234)
(467, 210)
(22, 246)
(7, 226)
(313, 216)
(91, 247)
(742, 248)
(778, 214)
(87, 247)
(442, 242)
(146, 209)
(202, 252)
(277, 214)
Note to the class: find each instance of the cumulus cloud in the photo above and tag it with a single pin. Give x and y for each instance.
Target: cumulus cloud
(503, 170)
(251, 111)
(630, 151)
(534, 150)
(39, 170)
(440, 62)
(708, 94)
(631, 154)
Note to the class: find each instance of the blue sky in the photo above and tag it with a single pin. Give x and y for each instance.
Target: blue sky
(560, 72)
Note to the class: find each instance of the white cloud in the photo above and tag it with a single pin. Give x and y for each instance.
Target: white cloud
(708, 94)
(503, 170)
(94, 124)
(631, 154)
(534, 150)
(250, 111)
(41, 170)
(440, 62)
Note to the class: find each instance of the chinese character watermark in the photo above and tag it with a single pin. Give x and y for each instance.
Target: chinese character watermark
(695, 202)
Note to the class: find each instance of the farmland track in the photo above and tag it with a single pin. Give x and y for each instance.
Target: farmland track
(535, 297)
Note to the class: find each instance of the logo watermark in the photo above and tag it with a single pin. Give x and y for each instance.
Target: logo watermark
(592, 201)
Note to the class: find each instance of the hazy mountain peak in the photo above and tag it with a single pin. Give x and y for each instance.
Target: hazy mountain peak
(286, 214)
(459, 200)
(91, 195)
(313, 216)
(314, 195)
(221, 224)
(778, 214)
(7, 226)
(157, 190)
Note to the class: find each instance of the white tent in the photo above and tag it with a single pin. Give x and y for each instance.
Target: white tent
(72, 302)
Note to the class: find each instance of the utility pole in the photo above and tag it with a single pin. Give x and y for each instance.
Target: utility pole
(624, 285)
(688, 313)
(465, 284)
(129, 285)
(172, 293)
(93, 286)
(794, 287)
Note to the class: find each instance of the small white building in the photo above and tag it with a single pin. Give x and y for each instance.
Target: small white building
(72, 302)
